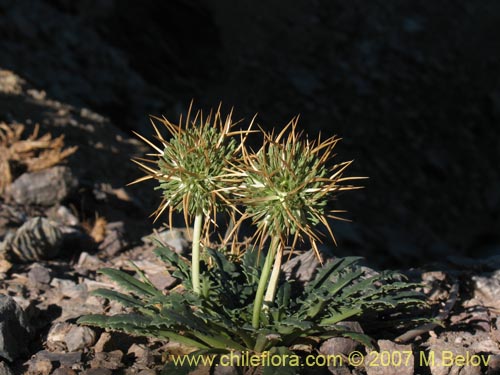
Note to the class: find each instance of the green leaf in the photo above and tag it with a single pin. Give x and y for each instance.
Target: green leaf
(129, 282)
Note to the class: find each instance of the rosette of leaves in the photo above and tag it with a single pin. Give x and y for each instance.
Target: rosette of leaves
(219, 319)
(287, 186)
(192, 171)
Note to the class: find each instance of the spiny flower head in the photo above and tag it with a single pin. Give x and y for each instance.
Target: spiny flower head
(191, 166)
(288, 183)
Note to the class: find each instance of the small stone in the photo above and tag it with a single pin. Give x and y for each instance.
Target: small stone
(98, 371)
(111, 360)
(56, 336)
(64, 371)
(487, 290)
(103, 341)
(64, 359)
(147, 372)
(302, 267)
(391, 350)
(114, 241)
(341, 345)
(143, 355)
(39, 275)
(173, 238)
(14, 329)
(44, 188)
(79, 337)
(162, 280)
(40, 367)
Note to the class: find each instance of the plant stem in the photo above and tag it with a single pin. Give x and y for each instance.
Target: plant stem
(195, 256)
(264, 277)
(275, 275)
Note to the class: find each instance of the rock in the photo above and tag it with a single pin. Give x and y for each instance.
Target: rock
(64, 371)
(341, 345)
(443, 355)
(62, 359)
(56, 336)
(79, 337)
(173, 238)
(302, 267)
(487, 290)
(38, 238)
(39, 276)
(111, 360)
(98, 371)
(162, 280)
(144, 356)
(4, 369)
(494, 365)
(40, 367)
(391, 359)
(70, 337)
(15, 331)
(114, 240)
(111, 341)
(43, 188)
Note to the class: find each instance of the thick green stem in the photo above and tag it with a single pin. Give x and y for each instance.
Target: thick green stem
(275, 276)
(264, 277)
(195, 256)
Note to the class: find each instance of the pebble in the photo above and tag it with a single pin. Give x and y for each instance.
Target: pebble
(144, 356)
(15, 331)
(98, 371)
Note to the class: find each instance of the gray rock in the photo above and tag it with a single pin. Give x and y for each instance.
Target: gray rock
(40, 366)
(63, 371)
(98, 371)
(111, 360)
(15, 331)
(63, 359)
(39, 275)
(487, 290)
(56, 335)
(79, 337)
(45, 188)
(341, 345)
(392, 359)
(4, 369)
(302, 267)
(115, 240)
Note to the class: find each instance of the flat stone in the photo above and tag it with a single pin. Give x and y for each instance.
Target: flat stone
(15, 331)
(391, 359)
(44, 188)
(64, 359)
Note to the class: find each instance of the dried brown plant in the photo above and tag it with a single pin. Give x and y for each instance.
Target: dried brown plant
(31, 154)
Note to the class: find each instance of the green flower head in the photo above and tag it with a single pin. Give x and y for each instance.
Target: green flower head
(191, 167)
(288, 183)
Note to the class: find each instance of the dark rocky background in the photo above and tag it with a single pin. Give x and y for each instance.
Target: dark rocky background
(412, 87)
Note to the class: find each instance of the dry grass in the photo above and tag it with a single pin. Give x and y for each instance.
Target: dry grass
(31, 154)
